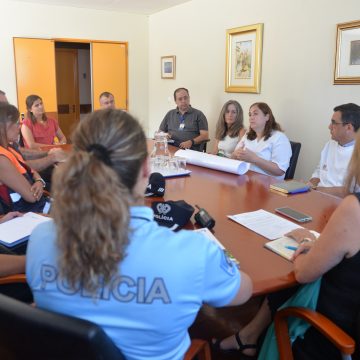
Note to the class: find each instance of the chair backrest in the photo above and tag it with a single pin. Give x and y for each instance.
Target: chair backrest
(295, 148)
(30, 333)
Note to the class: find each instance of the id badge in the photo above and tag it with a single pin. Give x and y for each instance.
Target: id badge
(182, 126)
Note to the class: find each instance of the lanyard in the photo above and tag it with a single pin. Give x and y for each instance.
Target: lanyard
(182, 122)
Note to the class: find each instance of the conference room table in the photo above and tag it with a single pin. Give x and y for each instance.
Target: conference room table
(223, 194)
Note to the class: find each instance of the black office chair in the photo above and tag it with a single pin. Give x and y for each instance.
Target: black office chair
(30, 333)
(27, 332)
(295, 148)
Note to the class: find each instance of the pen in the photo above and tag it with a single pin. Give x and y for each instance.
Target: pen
(294, 248)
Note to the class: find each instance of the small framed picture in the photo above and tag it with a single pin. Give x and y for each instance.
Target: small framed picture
(347, 57)
(168, 67)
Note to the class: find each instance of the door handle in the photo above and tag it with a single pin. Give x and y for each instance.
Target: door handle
(73, 108)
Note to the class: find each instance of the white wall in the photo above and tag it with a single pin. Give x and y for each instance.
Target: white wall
(19, 19)
(297, 70)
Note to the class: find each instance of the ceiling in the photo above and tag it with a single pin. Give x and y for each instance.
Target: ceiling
(142, 7)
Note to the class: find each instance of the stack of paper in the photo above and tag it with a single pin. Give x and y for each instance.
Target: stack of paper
(18, 230)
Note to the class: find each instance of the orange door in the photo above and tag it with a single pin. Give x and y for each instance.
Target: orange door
(67, 89)
(110, 72)
(35, 72)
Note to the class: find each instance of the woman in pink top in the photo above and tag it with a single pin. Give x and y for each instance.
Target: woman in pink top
(37, 129)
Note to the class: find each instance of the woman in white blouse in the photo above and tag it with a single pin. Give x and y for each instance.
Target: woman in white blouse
(264, 146)
(229, 128)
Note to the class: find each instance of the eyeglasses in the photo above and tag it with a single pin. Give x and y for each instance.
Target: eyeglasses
(333, 123)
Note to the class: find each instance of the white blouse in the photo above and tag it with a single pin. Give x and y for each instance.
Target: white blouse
(276, 149)
(228, 145)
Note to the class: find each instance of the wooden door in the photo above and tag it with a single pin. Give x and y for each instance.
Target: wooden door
(110, 72)
(35, 72)
(67, 86)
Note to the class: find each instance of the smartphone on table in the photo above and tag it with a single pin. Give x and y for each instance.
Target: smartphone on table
(293, 214)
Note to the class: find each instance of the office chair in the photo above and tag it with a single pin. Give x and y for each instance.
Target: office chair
(332, 332)
(27, 332)
(203, 145)
(295, 148)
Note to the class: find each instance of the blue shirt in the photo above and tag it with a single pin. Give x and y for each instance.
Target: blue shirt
(161, 285)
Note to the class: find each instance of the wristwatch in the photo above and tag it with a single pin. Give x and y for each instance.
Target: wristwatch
(42, 181)
(192, 142)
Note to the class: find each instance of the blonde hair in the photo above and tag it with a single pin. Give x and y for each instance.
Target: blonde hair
(353, 172)
(92, 194)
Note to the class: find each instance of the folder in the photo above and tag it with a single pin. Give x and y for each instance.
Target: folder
(18, 230)
(290, 187)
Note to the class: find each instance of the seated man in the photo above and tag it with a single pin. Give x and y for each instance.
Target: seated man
(185, 125)
(107, 100)
(337, 152)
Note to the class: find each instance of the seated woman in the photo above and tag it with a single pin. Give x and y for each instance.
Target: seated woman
(37, 129)
(124, 272)
(21, 189)
(229, 129)
(335, 256)
(264, 146)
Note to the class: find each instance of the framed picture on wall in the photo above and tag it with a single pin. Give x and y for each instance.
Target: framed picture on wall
(347, 56)
(168, 67)
(243, 59)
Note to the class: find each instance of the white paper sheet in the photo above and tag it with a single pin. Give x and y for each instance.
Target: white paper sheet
(265, 223)
(214, 162)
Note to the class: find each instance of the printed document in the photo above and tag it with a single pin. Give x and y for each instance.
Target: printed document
(265, 223)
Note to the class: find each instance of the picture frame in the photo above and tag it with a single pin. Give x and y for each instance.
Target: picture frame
(168, 67)
(243, 59)
(347, 54)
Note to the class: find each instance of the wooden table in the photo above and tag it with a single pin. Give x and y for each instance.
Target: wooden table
(222, 194)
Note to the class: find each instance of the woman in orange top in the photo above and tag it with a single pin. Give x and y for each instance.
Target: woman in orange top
(15, 176)
(38, 129)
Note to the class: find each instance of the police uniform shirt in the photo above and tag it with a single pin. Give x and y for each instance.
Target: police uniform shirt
(161, 285)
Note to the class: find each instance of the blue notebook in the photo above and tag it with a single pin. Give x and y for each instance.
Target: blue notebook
(290, 187)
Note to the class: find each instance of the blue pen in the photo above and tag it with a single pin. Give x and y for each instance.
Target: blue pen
(294, 248)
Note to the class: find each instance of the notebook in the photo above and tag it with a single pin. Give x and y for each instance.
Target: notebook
(290, 187)
(279, 246)
(285, 246)
(18, 230)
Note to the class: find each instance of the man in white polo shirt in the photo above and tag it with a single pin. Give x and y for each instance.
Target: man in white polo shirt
(337, 152)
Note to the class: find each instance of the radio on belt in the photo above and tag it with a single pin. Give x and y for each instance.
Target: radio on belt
(203, 218)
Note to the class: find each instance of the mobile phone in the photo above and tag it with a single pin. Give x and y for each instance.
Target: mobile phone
(293, 214)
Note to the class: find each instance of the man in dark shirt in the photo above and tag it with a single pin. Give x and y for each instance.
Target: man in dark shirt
(185, 125)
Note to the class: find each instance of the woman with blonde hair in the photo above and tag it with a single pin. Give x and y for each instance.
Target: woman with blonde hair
(229, 128)
(264, 146)
(105, 259)
(38, 129)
